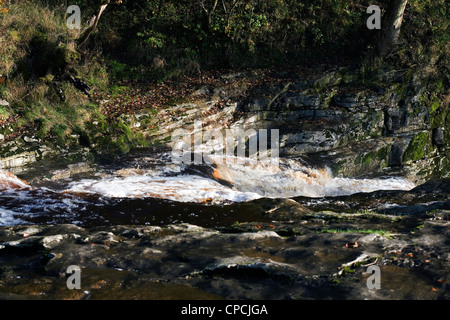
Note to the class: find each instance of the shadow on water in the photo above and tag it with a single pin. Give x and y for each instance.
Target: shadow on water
(47, 207)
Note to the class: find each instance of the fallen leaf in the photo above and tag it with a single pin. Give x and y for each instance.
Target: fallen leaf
(352, 245)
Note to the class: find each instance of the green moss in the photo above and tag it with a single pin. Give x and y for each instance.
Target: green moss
(432, 102)
(326, 99)
(347, 270)
(122, 144)
(399, 89)
(369, 157)
(111, 137)
(381, 232)
(68, 54)
(339, 166)
(434, 106)
(416, 148)
(378, 157)
(437, 119)
(4, 113)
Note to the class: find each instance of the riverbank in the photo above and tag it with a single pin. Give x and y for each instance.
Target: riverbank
(328, 117)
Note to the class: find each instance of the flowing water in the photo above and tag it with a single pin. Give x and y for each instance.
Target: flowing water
(151, 180)
(144, 227)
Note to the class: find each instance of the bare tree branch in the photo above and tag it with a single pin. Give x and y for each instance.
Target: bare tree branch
(93, 24)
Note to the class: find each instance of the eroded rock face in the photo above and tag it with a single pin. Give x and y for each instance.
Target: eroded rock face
(330, 119)
(355, 130)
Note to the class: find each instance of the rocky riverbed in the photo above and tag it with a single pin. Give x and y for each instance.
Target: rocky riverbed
(298, 248)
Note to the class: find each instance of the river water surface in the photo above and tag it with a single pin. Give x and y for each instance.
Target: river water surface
(151, 179)
(144, 227)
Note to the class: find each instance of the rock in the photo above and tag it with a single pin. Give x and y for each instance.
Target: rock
(29, 140)
(71, 170)
(186, 227)
(258, 260)
(79, 83)
(27, 231)
(50, 242)
(439, 137)
(4, 103)
(397, 151)
(17, 160)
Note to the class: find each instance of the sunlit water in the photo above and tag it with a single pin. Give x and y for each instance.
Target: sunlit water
(247, 180)
(228, 180)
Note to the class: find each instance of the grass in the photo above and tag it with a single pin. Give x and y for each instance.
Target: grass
(4, 113)
(35, 48)
(383, 233)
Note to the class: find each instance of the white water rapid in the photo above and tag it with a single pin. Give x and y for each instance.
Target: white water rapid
(248, 180)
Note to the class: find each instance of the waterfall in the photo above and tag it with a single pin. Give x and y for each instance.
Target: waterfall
(229, 179)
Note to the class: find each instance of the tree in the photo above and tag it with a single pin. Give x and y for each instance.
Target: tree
(92, 25)
(209, 12)
(390, 31)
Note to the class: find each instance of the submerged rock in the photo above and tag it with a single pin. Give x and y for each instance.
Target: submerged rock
(287, 252)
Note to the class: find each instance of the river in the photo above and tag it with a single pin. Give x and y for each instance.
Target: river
(150, 177)
(146, 227)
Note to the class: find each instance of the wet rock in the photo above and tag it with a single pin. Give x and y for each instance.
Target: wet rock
(72, 170)
(50, 242)
(259, 261)
(439, 137)
(27, 231)
(102, 237)
(397, 151)
(29, 139)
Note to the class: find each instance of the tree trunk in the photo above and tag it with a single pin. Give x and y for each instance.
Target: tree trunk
(391, 24)
(209, 12)
(83, 38)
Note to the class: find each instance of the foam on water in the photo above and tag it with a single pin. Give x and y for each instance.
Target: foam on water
(245, 181)
(182, 188)
(20, 201)
(289, 178)
(9, 181)
(249, 179)
(7, 218)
